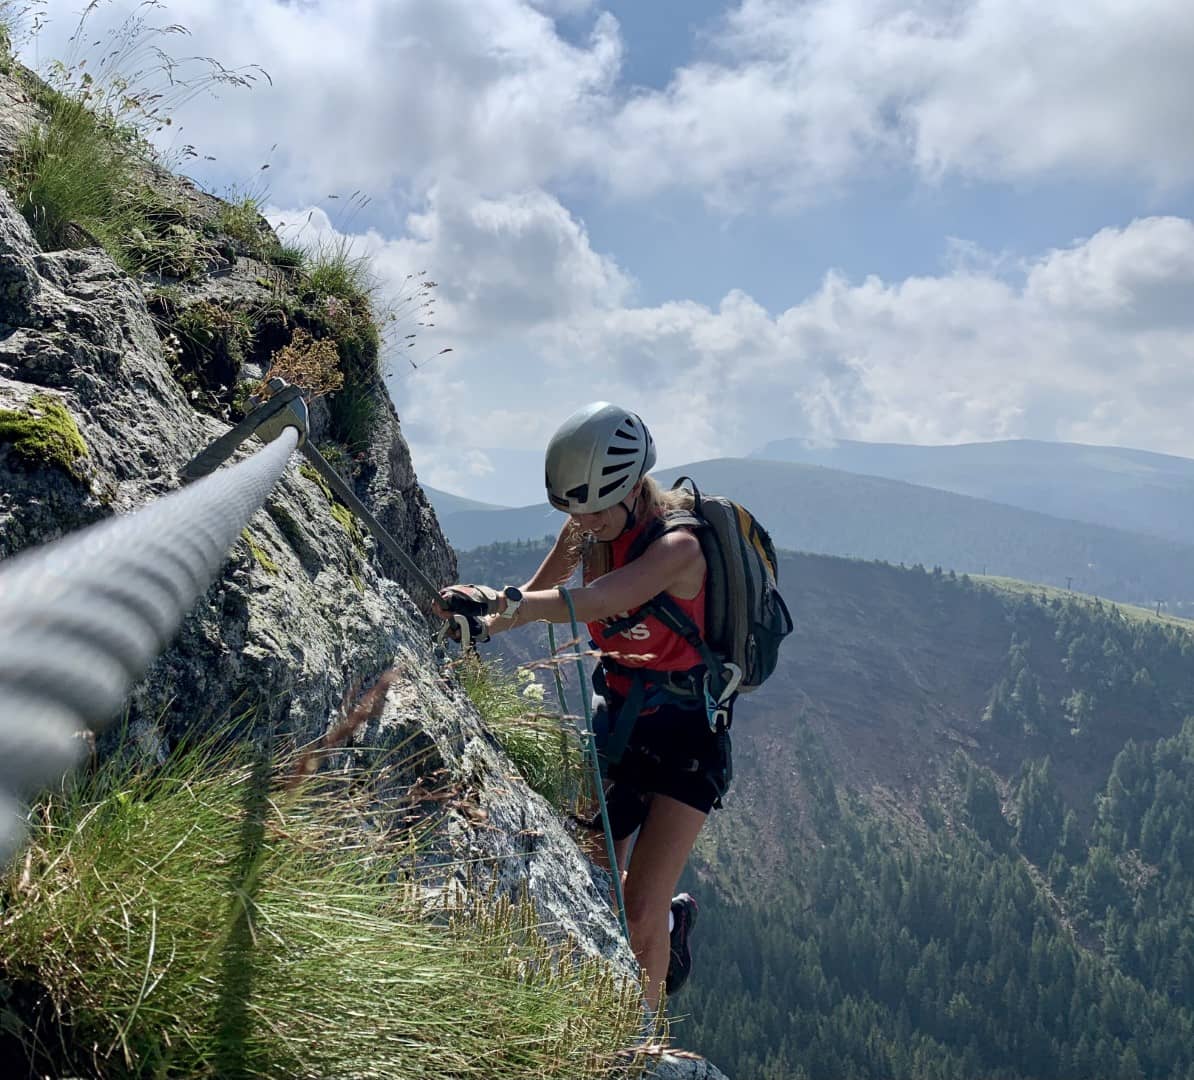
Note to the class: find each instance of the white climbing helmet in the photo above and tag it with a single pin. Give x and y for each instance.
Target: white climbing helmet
(598, 454)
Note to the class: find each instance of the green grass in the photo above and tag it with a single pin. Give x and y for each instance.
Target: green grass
(69, 169)
(208, 917)
(353, 411)
(80, 177)
(76, 172)
(334, 269)
(541, 745)
(288, 256)
(240, 218)
(341, 298)
(17, 17)
(1050, 592)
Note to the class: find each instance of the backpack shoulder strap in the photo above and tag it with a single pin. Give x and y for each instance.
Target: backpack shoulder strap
(680, 519)
(677, 519)
(696, 491)
(664, 607)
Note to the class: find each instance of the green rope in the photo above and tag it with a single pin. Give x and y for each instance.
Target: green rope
(575, 785)
(555, 670)
(594, 760)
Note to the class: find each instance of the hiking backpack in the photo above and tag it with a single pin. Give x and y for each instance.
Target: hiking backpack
(746, 619)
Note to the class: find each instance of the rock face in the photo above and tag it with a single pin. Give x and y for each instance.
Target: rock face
(305, 613)
(679, 1066)
(303, 616)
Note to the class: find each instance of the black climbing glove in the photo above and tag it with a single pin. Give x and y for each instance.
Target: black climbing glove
(472, 601)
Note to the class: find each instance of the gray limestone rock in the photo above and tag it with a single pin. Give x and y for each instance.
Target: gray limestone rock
(677, 1065)
(305, 613)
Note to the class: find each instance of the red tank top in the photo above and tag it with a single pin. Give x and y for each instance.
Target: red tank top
(648, 643)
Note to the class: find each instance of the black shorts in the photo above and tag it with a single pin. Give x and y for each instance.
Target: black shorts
(671, 752)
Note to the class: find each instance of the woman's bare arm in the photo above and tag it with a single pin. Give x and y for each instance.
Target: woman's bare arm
(673, 560)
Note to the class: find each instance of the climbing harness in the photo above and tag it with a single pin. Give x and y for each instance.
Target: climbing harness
(590, 740)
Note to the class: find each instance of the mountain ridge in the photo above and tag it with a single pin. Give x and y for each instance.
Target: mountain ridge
(1143, 490)
(824, 511)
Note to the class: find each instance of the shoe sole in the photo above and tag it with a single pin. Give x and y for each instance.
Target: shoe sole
(690, 908)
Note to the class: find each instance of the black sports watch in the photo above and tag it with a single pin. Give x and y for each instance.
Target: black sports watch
(513, 597)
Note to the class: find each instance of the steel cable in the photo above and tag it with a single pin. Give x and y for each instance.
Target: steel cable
(82, 619)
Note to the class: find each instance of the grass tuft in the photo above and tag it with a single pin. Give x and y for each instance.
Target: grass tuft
(542, 746)
(335, 269)
(353, 411)
(83, 175)
(216, 916)
(287, 256)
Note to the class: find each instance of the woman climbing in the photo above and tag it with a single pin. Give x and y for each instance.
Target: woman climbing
(663, 766)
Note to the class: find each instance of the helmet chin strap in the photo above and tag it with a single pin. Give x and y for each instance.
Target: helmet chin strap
(631, 516)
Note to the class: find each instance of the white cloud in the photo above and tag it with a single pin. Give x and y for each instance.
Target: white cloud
(516, 264)
(1091, 342)
(369, 94)
(478, 114)
(791, 100)
(520, 261)
(803, 95)
(564, 7)
(971, 354)
(1142, 276)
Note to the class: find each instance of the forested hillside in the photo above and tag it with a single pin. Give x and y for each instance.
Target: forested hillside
(960, 841)
(999, 942)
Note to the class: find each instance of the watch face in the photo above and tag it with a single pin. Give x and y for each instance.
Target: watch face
(512, 593)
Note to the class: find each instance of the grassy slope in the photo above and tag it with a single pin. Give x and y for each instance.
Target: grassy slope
(891, 670)
(1131, 611)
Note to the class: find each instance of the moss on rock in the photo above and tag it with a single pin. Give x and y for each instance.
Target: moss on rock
(260, 555)
(349, 522)
(44, 434)
(347, 519)
(312, 474)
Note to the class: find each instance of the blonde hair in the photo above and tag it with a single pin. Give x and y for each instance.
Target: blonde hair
(653, 501)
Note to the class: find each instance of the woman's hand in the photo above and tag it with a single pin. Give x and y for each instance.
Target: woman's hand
(478, 605)
(475, 601)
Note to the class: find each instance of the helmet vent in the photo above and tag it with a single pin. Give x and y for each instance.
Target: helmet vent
(602, 449)
(619, 467)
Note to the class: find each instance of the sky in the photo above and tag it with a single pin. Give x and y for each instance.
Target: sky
(926, 222)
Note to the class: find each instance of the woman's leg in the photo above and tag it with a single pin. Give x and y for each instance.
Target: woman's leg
(593, 845)
(627, 811)
(658, 859)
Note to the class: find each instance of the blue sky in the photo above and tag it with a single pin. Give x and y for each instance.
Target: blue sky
(889, 224)
(924, 221)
